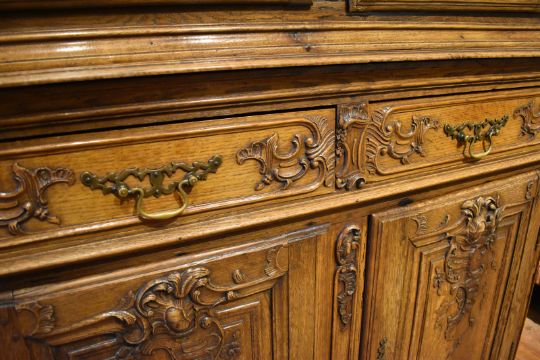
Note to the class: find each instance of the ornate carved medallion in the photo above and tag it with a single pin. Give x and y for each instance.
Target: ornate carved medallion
(361, 141)
(531, 120)
(347, 252)
(29, 199)
(468, 257)
(307, 152)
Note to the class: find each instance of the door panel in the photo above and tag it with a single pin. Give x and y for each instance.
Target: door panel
(440, 272)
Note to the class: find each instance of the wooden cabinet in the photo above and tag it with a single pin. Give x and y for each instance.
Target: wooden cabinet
(267, 179)
(443, 273)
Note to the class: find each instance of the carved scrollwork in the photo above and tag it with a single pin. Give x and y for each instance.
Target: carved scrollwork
(361, 141)
(175, 314)
(43, 316)
(347, 253)
(29, 199)
(468, 257)
(530, 120)
(315, 151)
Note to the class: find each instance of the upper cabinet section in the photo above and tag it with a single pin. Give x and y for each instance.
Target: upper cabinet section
(445, 5)
(68, 4)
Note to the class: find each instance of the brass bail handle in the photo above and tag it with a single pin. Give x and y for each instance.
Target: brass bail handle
(469, 140)
(480, 155)
(114, 183)
(166, 214)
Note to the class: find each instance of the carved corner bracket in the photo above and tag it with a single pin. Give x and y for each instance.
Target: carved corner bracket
(530, 120)
(29, 199)
(347, 258)
(314, 151)
(362, 138)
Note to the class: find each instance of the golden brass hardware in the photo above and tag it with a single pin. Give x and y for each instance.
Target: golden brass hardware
(458, 133)
(114, 184)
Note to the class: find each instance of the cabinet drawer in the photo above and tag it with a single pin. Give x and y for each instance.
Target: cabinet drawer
(382, 141)
(118, 178)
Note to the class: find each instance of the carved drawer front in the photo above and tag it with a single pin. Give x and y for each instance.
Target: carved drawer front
(125, 177)
(381, 141)
(227, 303)
(452, 276)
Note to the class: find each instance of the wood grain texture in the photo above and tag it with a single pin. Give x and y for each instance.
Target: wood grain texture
(143, 45)
(223, 112)
(445, 5)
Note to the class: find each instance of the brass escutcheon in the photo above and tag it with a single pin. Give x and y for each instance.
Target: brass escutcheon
(113, 183)
(477, 135)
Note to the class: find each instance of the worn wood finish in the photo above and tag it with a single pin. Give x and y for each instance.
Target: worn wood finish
(186, 180)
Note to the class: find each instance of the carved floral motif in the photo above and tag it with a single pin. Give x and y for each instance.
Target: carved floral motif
(315, 151)
(530, 120)
(29, 199)
(174, 314)
(361, 141)
(347, 252)
(467, 259)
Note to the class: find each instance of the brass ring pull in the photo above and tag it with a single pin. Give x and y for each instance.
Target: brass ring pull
(114, 184)
(477, 135)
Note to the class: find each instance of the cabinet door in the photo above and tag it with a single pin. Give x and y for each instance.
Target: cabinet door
(232, 302)
(442, 273)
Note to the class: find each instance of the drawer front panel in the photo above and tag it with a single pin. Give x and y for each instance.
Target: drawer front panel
(120, 176)
(443, 272)
(382, 141)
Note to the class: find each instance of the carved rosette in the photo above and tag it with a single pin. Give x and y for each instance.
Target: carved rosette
(29, 198)
(530, 120)
(315, 151)
(468, 257)
(361, 141)
(347, 253)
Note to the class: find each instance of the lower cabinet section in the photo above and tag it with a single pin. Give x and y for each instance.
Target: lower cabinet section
(449, 278)
(283, 296)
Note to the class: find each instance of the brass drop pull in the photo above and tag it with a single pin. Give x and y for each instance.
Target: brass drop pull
(113, 183)
(477, 135)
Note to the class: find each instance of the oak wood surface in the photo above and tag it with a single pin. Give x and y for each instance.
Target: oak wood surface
(341, 220)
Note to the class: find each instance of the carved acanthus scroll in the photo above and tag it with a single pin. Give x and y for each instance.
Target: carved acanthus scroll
(29, 199)
(315, 151)
(347, 258)
(468, 257)
(361, 141)
(530, 120)
(175, 314)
